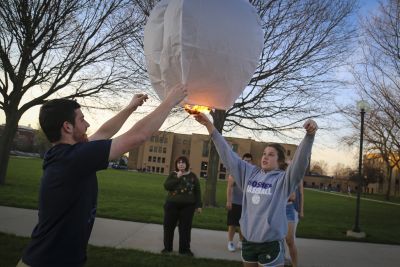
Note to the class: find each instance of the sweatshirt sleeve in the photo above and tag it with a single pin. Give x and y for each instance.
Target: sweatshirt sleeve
(235, 165)
(171, 182)
(297, 168)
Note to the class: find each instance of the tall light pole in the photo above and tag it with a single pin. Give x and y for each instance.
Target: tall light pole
(362, 106)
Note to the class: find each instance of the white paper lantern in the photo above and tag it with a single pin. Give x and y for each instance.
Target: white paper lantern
(212, 46)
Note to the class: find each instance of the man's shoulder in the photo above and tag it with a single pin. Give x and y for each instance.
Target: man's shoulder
(92, 145)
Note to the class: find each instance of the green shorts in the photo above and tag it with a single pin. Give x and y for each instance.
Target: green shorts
(266, 254)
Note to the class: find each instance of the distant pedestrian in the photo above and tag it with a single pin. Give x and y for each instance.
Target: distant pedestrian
(183, 199)
(294, 212)
(349, 190)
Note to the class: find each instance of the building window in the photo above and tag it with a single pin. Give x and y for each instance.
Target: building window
(154, 159)
(153, 169)
(185, 141)
(149, 159)
(203, 174)
(235, 147)
(205, 149)
(159, 149)
(152, 139)
(163, 160)
(222, 168)
(161, 139)
(165, 140)
(162, 170)
(151, 149)
(148, 168)
(222, 176)
(183, 152)
(164, 150)
(158, 169)
(159, 159)
(204, 166)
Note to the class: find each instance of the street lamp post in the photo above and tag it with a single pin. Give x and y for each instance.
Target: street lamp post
(356, 232)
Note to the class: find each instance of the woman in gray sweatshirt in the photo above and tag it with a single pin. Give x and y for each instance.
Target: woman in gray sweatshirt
(265, 193)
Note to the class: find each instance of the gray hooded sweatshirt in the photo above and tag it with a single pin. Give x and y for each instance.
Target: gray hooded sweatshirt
(265, 194)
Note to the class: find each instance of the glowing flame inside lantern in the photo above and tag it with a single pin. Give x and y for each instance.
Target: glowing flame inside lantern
(196, 109)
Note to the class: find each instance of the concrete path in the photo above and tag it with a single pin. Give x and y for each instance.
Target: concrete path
(211, 244)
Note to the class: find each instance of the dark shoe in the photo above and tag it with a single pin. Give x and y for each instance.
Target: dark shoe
(166, 251)
(186, 253)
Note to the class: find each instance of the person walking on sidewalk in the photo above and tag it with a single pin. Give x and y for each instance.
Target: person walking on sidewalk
(234, 196)
(294, 212)
(265, 193)
(183, 199)
(68, 189)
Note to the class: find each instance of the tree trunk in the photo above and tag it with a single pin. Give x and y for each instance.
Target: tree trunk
(210, 192)
(6, 140)
(389, 180)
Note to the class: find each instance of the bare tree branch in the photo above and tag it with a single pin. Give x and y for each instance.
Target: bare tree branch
(69, 49)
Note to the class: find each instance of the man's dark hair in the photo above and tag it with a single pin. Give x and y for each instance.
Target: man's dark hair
(247, 155)
(53, 114)
(184, 159)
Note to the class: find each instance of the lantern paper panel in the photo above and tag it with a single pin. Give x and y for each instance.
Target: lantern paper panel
(212, 46)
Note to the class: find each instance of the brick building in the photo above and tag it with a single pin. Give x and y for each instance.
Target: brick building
(158, 154)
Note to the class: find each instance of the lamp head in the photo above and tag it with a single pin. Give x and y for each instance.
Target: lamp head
(363, 105)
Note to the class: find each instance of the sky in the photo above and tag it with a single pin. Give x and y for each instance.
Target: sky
(327, 146)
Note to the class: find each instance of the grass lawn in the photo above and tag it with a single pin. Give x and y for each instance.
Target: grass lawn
(140, 197)
(12, 247)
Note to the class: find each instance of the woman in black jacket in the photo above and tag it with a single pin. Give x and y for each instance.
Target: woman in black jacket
(183, 199)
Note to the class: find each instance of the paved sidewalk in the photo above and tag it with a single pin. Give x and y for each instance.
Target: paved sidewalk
(211, 244)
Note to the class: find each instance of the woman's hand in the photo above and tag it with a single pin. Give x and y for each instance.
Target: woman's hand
(176, 94)
(202, 119)
(301, 215)
(311, 127)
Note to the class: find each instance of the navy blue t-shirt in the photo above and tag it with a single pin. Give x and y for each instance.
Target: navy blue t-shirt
(67, 204)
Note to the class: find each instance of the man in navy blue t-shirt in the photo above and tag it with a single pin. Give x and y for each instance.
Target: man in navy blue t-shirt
(68, 190)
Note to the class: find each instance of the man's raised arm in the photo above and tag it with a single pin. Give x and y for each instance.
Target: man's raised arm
(144, 128)
(113, 125)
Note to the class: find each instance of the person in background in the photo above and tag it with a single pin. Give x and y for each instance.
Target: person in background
(68, 188)
(234, 197)
(265, 193)
(183, 199)
(294, 212)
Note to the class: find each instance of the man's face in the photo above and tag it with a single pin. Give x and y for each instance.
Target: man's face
(80, 127)
(247, 159)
